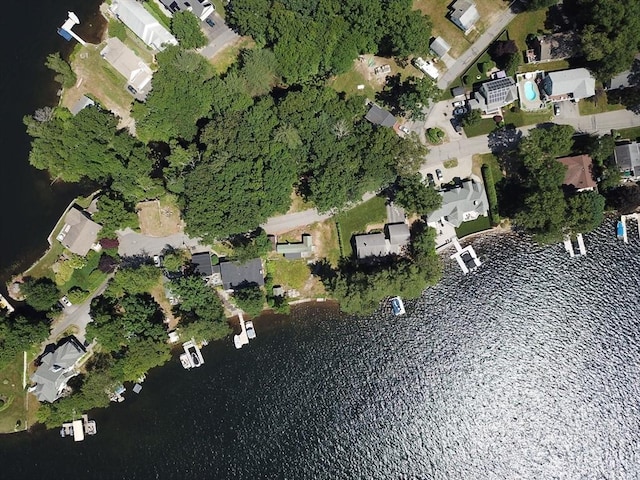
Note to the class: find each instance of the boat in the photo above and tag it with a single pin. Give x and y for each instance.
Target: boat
(192, 357)
(397, 306)
(251, 333)
(621, 230)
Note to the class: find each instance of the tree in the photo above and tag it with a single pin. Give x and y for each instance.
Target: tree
(409, 96)
(585, 211)
(415, 196)
(259, 71)
(17, 334)
(198, 301)
(40, 293)
(65, 75)
(624, 198)
(114, 215)
(186, 27)
(512, 63)
(539, 4)
(250, 299)
(473, 117)
(253, 246)
(141, 356)
(134, 280)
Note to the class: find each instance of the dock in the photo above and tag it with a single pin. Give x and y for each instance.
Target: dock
(192, 356)
(4, 303)
(581, 248)
(466, 257)
(79, 428)
(568, 246)
(242, 338)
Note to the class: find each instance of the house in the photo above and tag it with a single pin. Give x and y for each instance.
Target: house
(79, 233)
(556, 46)
(380, 116)
(55, 370)
(296, 250)
(495, 94)
(579, 174)
(461, 204)
(574, 84)
(142, 23)
(200, 8)
(202, 264)
(464, 14)
(627, 157)
(82, 103)
(127, 63)
(236, 275)
(440, 47)
(379, 245)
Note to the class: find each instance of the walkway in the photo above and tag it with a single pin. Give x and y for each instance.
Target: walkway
(479, 46)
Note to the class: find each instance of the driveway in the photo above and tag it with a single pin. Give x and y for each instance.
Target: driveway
(395, 213)
(291, 221)
(132, 243)
(220, 36)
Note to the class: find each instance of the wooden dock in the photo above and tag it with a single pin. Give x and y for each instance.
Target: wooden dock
(4, 303)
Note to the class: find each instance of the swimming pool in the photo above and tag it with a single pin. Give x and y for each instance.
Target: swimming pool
(530, 92)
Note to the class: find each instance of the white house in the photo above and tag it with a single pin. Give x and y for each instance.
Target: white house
(127, 63)
(142, 23)
(464, 14)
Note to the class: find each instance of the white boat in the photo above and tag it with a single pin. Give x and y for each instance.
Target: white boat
(251, 333)
(192, 356)
(397, 306)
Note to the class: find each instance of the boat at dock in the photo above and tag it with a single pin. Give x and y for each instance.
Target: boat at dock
(79, 428)
(466, 257)
(242, 338)
(621, 230)
(4, 303)
(397, 306)
(192, 356)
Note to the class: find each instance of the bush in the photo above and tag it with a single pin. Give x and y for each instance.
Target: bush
(186, 27)
(435, 135)
(492, 197)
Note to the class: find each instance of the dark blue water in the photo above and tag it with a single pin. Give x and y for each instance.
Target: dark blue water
(30, 205)
(527, 369)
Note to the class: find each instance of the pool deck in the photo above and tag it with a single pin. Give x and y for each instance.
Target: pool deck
(525, 104)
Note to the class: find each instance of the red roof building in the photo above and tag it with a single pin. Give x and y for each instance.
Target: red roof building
(579, 174)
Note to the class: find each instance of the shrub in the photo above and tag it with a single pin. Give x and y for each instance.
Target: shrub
(492, 197)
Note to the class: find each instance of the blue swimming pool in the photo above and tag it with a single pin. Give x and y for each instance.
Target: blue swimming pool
(530, 92)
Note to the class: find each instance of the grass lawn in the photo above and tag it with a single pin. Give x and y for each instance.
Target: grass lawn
(451, 163)
(490, 159)
(88, 278)
(547, 67)
(227, 57)
(595, 105)
(11, 389)
(349, 81)
(219, 6)
(520, 118)
(483, 127)
(289, 273)
(477, 225)
(632, 133)
(356, 220)
(526, 23)
(473, 73)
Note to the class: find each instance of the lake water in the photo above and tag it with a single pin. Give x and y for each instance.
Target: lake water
(528, 368)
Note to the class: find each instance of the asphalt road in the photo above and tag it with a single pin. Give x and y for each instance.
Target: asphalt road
(220, 36)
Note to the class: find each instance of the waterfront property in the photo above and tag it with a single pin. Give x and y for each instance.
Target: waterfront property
(192, 356)
(627, 158)
(55, 369)
(374, 245)
(463, 203)
(495, 94)
(79, 428)
(235, 275)
(142, 23)
(574, 85)
(292, 251)
(127, 63)
(464, 14)
(79, 234)
(579, 172)
(380, 116)
(200, 8)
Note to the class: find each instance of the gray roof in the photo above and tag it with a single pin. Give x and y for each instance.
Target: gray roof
(202, 262)
(80, 104)
(457, 91)
(142, 23)
(628, 158)
(380, 116)
(235, 274)
(440, 47)
(79, 232)
(200, 8)
(398, 233)
(296, 250)
(470, 197)
(127, 63)
(496, 94)
(55, 369)
(464, 14)
(371, 245)
(576, 83)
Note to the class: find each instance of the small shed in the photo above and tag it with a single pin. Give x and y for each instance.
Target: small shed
(440, 47)
(457, 92)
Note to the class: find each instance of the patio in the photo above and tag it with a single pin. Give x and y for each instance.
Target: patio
(528, 91)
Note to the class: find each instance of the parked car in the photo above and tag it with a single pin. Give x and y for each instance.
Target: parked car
(404, 129)
(157, 260)
(65, 302)
(439, 174)
(556, 109)
(430, 179)
(458, 104)
(460, 111)
(210, 22)
(132, 90)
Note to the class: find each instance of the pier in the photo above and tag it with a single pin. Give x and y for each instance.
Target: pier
(4, 303)
(621, 228)
(192, 356)
(568, 245)
(466, 257)
(79, 428)
(242, 338)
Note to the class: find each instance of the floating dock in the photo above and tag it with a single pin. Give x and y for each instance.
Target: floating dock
(581, 248)
(4, 303)
(242, 338)
(568, 246)
(192, 356)
(79, 428)
(466, 257)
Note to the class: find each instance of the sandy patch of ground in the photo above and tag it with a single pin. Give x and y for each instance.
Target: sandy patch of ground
(157, 220)
(159, 296)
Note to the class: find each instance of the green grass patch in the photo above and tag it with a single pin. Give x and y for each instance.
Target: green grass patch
(158, 14)
(492, 196)
(632, 133)
(520, 118)
(348, 83)
(491, 160)
(87, 278)
(356, 220)
(290, 273)
(11, 390)
(451, 163)
(547, 67)
(219, 6)
(593, 105)
(473, 74)
(474, 226)
(483, 127)
(526, 23)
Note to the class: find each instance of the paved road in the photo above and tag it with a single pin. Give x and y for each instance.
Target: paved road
(132, 243)
(291, 221)
(480, 45)
(220, 36)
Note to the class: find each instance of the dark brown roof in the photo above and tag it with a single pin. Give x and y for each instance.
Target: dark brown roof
(578, 171)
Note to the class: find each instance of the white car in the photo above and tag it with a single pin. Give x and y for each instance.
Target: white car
(404, 129)
(65, 301)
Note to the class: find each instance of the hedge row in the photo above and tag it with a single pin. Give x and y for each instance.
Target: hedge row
(492, 197)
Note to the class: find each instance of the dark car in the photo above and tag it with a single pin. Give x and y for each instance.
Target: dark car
(430, 180)
(210, 22)
(556, 109)
(460, 111)
(131, 89)
(439, 174)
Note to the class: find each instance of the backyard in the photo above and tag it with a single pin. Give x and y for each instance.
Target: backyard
(474, 226)
(356, 220)
(13, 407)
(632, 133)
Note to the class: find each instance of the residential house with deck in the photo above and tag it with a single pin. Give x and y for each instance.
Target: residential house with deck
(55, 370)
(574, 84)
(127, 63)
(79, 233)
(464, 203)
(374, 245)
(236, 275)
(495, 94)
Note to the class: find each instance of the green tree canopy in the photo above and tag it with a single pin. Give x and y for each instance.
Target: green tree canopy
(40, 293)
(415, 196)
(114, 215)
(250, 299)
(64, 74)
(186, 27)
